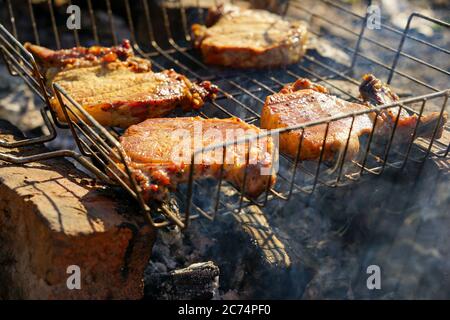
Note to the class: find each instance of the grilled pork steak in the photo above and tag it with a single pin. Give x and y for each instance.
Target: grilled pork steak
(159, 154)
(51, 61)
(304, 101)
(117, 88)
(116, 96)
(249, 38)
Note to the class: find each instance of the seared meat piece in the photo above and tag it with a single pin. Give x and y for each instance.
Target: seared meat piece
(375, 92)
(159, 154)
(52, 61)
(115, 87)
(304, 101)
(116, 96)
(249, 38)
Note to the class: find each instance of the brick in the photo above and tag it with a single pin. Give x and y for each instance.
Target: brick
(52, 216)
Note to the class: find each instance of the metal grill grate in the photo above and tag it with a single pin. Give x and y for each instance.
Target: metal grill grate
(160, 32)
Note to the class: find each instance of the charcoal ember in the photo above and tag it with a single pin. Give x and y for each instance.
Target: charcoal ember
(249, 253)
(266, 263)
(168, 247)
(197, 281)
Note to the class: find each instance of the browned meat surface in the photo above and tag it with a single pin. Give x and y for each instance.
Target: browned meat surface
(159, 154)
(375, 92)
(303, 102)
(52, 61)
(115, 96)
(117, 88)
(249, 38)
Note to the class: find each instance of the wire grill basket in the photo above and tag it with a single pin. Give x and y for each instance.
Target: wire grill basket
(159, 31)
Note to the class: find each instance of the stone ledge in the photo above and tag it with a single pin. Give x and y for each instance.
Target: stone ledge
(53, 216)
